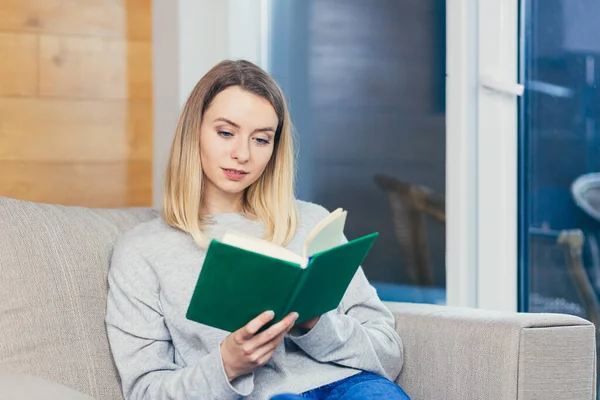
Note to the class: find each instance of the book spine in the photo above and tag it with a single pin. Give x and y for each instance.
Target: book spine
(299, 285)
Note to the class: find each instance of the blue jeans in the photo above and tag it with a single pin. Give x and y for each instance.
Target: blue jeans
(363, 386)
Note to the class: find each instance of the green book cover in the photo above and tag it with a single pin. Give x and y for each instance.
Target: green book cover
(237, 284)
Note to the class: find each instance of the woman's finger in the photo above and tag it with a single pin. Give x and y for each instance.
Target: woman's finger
(248, 331)
(282, 326)
(268, 348)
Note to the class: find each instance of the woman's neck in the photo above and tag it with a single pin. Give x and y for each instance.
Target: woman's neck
(221, 206)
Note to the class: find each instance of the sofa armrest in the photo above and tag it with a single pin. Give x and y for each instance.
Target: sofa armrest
(465, 353)
(17, 386)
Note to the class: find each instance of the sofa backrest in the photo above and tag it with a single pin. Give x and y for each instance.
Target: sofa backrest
(53, 285)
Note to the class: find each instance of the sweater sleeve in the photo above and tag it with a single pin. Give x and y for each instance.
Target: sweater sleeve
(359, 334)
(141, 343)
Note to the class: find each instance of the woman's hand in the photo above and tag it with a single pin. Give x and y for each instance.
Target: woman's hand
(243, 351)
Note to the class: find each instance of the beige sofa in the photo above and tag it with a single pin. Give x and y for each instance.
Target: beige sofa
(53, 345)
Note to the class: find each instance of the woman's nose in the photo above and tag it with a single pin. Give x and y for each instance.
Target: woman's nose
(241, 151)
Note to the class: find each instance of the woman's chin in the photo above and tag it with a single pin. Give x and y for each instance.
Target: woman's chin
(233, 188)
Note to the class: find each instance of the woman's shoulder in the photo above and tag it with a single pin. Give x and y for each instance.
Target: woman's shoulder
(310, 213)
(147, 235)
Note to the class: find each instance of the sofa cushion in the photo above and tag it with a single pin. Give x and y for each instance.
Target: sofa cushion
(53, 286)
(27, 387)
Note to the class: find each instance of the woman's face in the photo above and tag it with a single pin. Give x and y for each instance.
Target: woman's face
(237, 138)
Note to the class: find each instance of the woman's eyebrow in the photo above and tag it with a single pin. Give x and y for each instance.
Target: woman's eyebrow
(230, 122)
(227, 121)
(267, 129)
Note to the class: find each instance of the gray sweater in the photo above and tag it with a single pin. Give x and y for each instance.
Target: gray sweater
(162, 355)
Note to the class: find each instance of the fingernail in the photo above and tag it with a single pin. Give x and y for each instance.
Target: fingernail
(295, 316)
(270, 314)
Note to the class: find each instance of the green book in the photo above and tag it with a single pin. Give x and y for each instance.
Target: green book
(243, 276)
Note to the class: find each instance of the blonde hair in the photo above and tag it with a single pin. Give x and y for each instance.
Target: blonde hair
(270, 199)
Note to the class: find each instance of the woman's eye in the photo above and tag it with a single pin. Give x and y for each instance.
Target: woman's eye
(262, 142)
(225, 134)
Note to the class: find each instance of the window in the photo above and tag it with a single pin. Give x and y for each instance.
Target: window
(366, 87)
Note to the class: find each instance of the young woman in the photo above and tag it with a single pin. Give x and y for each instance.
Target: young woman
(232, 167)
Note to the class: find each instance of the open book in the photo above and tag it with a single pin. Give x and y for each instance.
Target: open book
(328, 233)
(243, 276)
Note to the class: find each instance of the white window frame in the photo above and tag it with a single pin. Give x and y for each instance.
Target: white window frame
(481, 163)
(497, 181)
(461, 153)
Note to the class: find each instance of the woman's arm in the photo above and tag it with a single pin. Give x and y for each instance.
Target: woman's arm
(141, 344)
(359, 334)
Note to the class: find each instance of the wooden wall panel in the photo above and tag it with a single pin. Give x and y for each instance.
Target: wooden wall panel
(91, 184)
(75, 130)
(100, 18)
(98, 68)
(76, 102)
(18, 65)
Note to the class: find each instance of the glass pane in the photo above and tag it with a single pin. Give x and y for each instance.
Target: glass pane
(366, 86)
(559, 157)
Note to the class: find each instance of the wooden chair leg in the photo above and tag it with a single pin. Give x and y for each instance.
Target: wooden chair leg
(574, 240)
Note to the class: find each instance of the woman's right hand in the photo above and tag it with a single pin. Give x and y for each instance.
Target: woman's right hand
(243, 351)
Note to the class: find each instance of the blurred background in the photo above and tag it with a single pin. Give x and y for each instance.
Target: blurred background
(90, 91)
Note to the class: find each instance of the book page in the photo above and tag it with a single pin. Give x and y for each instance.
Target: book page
(256, 245)
(326, 234)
